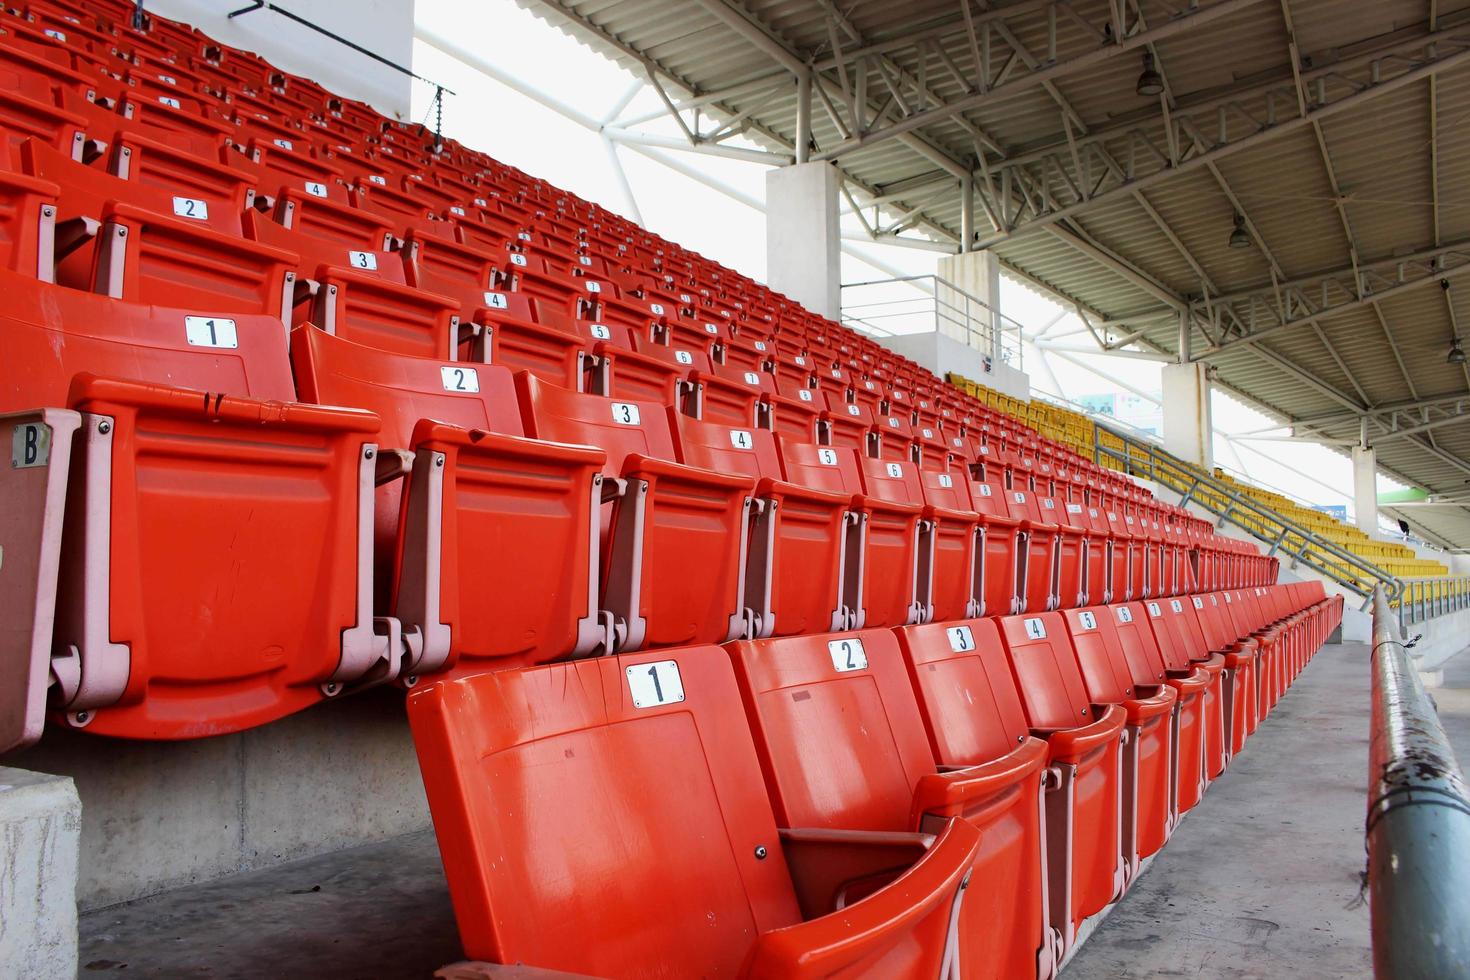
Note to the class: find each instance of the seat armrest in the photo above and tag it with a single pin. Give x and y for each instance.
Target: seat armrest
(963, 791)
(837, 945)
(782, 490)
(392, 464)
(1070, 744)
(1146, 707)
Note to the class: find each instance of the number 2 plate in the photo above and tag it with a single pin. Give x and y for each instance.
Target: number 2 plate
(848, 654)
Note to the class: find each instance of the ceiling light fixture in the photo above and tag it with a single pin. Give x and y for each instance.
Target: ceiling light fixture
(1150, 82)
(1456, 354)
(1239, 237)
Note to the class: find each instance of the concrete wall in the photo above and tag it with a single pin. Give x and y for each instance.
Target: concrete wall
(384, 27)
(156, 815)
(38, 872)
(941, 354)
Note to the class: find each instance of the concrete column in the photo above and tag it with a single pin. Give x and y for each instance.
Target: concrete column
(40, 831)
(803, 241)
(967, 300)
(1365, 490)
(1188, 429)
(978, 275)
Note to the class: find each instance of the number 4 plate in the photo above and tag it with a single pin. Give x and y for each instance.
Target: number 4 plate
(651, 685)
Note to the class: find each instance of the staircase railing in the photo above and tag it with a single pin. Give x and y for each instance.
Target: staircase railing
(1283, 535)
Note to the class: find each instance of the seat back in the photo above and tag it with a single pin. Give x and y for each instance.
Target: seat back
(619, 428)
(966, 693)
(402, 390)
(53, 333)
(831, 468)
(836, 728)
(1168, 630)
(1045, 668)
(1099, 654)
(1140, 646)
(634, 777)
(725, 448)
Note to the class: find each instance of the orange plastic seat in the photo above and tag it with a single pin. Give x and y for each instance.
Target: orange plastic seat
(190, 511)
(1148, 752)
(1146, 656)
(843, 747)
(798, 535)
(1085, 865)
(674, 537)
(580, 806)
(470, 485)
(973, 717)
(882, 569)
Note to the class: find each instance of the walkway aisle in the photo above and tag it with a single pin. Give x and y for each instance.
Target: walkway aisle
(1261, 879)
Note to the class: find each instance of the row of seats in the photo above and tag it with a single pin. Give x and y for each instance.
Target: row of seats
(685, 467)
(888, 802)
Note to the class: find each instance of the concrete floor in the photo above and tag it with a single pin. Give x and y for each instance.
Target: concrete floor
(1261, 880)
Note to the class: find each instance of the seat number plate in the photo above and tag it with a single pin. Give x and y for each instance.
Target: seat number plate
(210, 331)
(961, 640)
(191, 207)
(1087, 620)
(625, 413)
(460, 379)
(1035, 628)
(651, 685)
(848, 654)
(363, 260)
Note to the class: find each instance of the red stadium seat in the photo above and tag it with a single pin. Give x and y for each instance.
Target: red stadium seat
(973, 717)
(883, 563)
(544, 777)
(843, 747)
(798, 535)
(1148, 752)
(164, 482)
(1085, 865)
(674, 537)
(473, 486)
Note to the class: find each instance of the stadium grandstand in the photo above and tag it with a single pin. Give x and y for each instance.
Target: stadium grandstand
(416, 562)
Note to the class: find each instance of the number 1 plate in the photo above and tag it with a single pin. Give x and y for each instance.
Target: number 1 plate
(651, 685)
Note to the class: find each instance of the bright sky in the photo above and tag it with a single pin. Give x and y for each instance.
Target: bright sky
(516, 129)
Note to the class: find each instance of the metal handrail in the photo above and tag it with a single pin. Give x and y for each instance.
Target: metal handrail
(1163, 467)
(1418, 825)
(939, 305)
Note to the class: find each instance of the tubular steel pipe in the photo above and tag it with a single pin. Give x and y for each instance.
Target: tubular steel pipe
(1418, 826)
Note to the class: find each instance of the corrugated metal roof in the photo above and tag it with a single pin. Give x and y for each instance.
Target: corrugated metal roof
(1137, 237)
